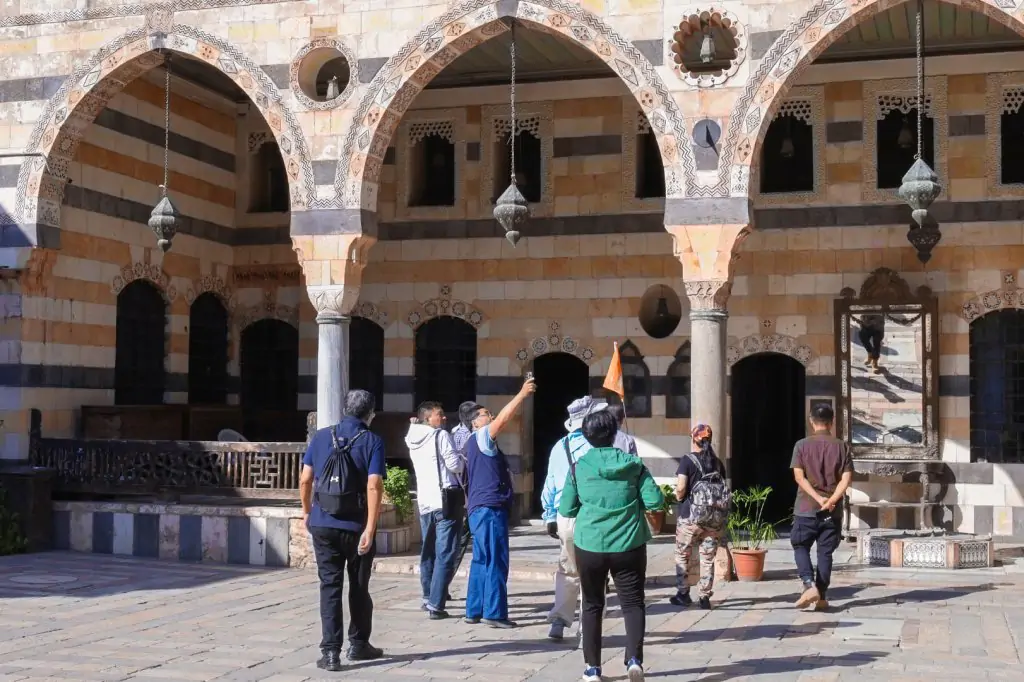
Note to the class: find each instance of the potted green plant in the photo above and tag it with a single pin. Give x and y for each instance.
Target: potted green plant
(749, 532)
(394, 536)
(656, 519)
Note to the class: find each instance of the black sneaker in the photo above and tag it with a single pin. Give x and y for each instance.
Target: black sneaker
(364, 651)
(448, 597)
(438, 615)
(471, 620)
(503, 624)
(330, 661)
(705, 603)
(681, 599)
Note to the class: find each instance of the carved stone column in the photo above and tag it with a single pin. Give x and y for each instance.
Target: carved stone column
(333, 267)
(708, 320)
(707, 253)
(333, 304)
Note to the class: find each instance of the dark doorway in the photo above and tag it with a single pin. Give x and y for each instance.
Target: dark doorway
(140, 343)
(561, 379)
(767, 393)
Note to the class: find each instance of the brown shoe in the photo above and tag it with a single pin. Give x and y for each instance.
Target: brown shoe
(810, 596)
(821, 605)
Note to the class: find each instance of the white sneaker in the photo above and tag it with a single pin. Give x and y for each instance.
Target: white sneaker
(557, 631)
(635, 671)
(592, 675)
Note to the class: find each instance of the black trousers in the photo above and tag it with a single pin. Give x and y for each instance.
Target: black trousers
(871, 339)
(823, 529)
(629, 571)
(337, 552)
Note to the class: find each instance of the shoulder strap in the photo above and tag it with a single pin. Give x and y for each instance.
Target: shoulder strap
(696, 461)
(568, 453)
(437, 457)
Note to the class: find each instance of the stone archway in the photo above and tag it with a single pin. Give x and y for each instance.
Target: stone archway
(768, 343)
(806, 38)
(89, 89)
(458, 31)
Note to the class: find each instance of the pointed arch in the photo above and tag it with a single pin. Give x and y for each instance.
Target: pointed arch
(799, 45)
(88, 90)
(461, 29)
(677, 402)
(636, 381)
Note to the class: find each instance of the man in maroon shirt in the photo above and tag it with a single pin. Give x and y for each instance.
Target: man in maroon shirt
(823, 469)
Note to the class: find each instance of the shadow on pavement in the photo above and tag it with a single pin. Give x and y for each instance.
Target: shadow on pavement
(768, 666)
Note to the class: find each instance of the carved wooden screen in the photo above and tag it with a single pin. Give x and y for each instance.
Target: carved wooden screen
(445, 362)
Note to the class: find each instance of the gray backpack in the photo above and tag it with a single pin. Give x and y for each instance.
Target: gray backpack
(710, 498)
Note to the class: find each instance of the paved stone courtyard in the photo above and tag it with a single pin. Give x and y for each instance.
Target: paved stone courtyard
(74, 617)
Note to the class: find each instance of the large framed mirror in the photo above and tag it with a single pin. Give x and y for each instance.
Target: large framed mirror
(888, 360)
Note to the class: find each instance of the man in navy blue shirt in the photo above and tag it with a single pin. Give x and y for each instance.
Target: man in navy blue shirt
(341, 544)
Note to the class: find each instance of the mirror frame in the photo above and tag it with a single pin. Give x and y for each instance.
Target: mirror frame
(886, 291)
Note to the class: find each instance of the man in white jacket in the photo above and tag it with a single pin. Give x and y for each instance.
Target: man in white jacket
(563, 455)
(437, 466)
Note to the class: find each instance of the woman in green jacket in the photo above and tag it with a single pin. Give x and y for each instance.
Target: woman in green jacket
(607, 492)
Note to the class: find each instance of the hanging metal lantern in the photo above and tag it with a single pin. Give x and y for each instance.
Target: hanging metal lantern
(164, 219)
(707, 45)
(906, 137)
(920, 185)
(333, 89)
(511, 209)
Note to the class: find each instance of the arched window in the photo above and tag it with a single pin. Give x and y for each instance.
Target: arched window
(268, 182)
(636, 381)
(366, 358)
(677, 404)
(140, 345)
(997, 387)
(445, 362)
(207, 351)
(269, 365)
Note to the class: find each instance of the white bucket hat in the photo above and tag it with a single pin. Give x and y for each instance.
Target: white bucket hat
(580, 408)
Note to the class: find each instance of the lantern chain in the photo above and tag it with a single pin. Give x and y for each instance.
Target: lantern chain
(920, 73)
(512, 109)
(167, 121)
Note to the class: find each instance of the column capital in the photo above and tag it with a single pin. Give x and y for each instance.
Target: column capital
(708, 298)
(333, 302)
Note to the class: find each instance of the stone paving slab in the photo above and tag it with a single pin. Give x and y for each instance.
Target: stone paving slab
(113, 619)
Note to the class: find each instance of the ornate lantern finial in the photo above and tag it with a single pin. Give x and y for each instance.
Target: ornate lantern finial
(511, 209)
(164, 219)
(920, 185)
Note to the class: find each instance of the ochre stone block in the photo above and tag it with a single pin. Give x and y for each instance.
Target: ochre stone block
(844, 172)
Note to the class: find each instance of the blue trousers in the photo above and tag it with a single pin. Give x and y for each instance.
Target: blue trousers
(437, 557)
(487, 596)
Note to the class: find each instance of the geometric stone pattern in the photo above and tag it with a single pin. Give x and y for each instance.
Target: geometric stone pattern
(449, 124)
(459, 30)
(533, 118)
(999, 299)
(444, 305)
(771, 343)
(554, 342)
(634, 125)
(805, 104)
(1004, 93)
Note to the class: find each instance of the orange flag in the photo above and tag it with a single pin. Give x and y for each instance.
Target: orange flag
(613, 380)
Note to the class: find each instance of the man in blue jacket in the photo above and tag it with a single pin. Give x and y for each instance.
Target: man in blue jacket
(345, 544)
(565, 453)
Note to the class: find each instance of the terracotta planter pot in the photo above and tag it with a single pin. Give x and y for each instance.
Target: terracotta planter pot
(656, 520)
(749, 564)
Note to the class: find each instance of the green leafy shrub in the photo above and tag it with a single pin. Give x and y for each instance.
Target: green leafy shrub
(11, 541)
(396, 488)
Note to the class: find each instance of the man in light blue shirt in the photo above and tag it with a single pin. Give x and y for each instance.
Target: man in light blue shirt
(563, 455)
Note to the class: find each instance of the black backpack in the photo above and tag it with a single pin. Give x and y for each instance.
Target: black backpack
(339, 489)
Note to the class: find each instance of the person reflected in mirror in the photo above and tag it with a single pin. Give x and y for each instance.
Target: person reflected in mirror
(872, 331)
(823, 468)
(490, 497)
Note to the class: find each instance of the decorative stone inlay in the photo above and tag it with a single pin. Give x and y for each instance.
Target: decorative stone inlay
(325, 42)
(634, 125)
(998, 299)
(768, 343)
(808, 105)
(536, 118)
(930, 548)
(92, 85)
(211, 284)
(449, 124)
(554, 342)
(444, 305)
(802, 41)
(256, 141)
(1004, 93)
(151, 273)
(690, 25)
(268, 309)
(372, 312)
(881, 97)
(460, 29)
